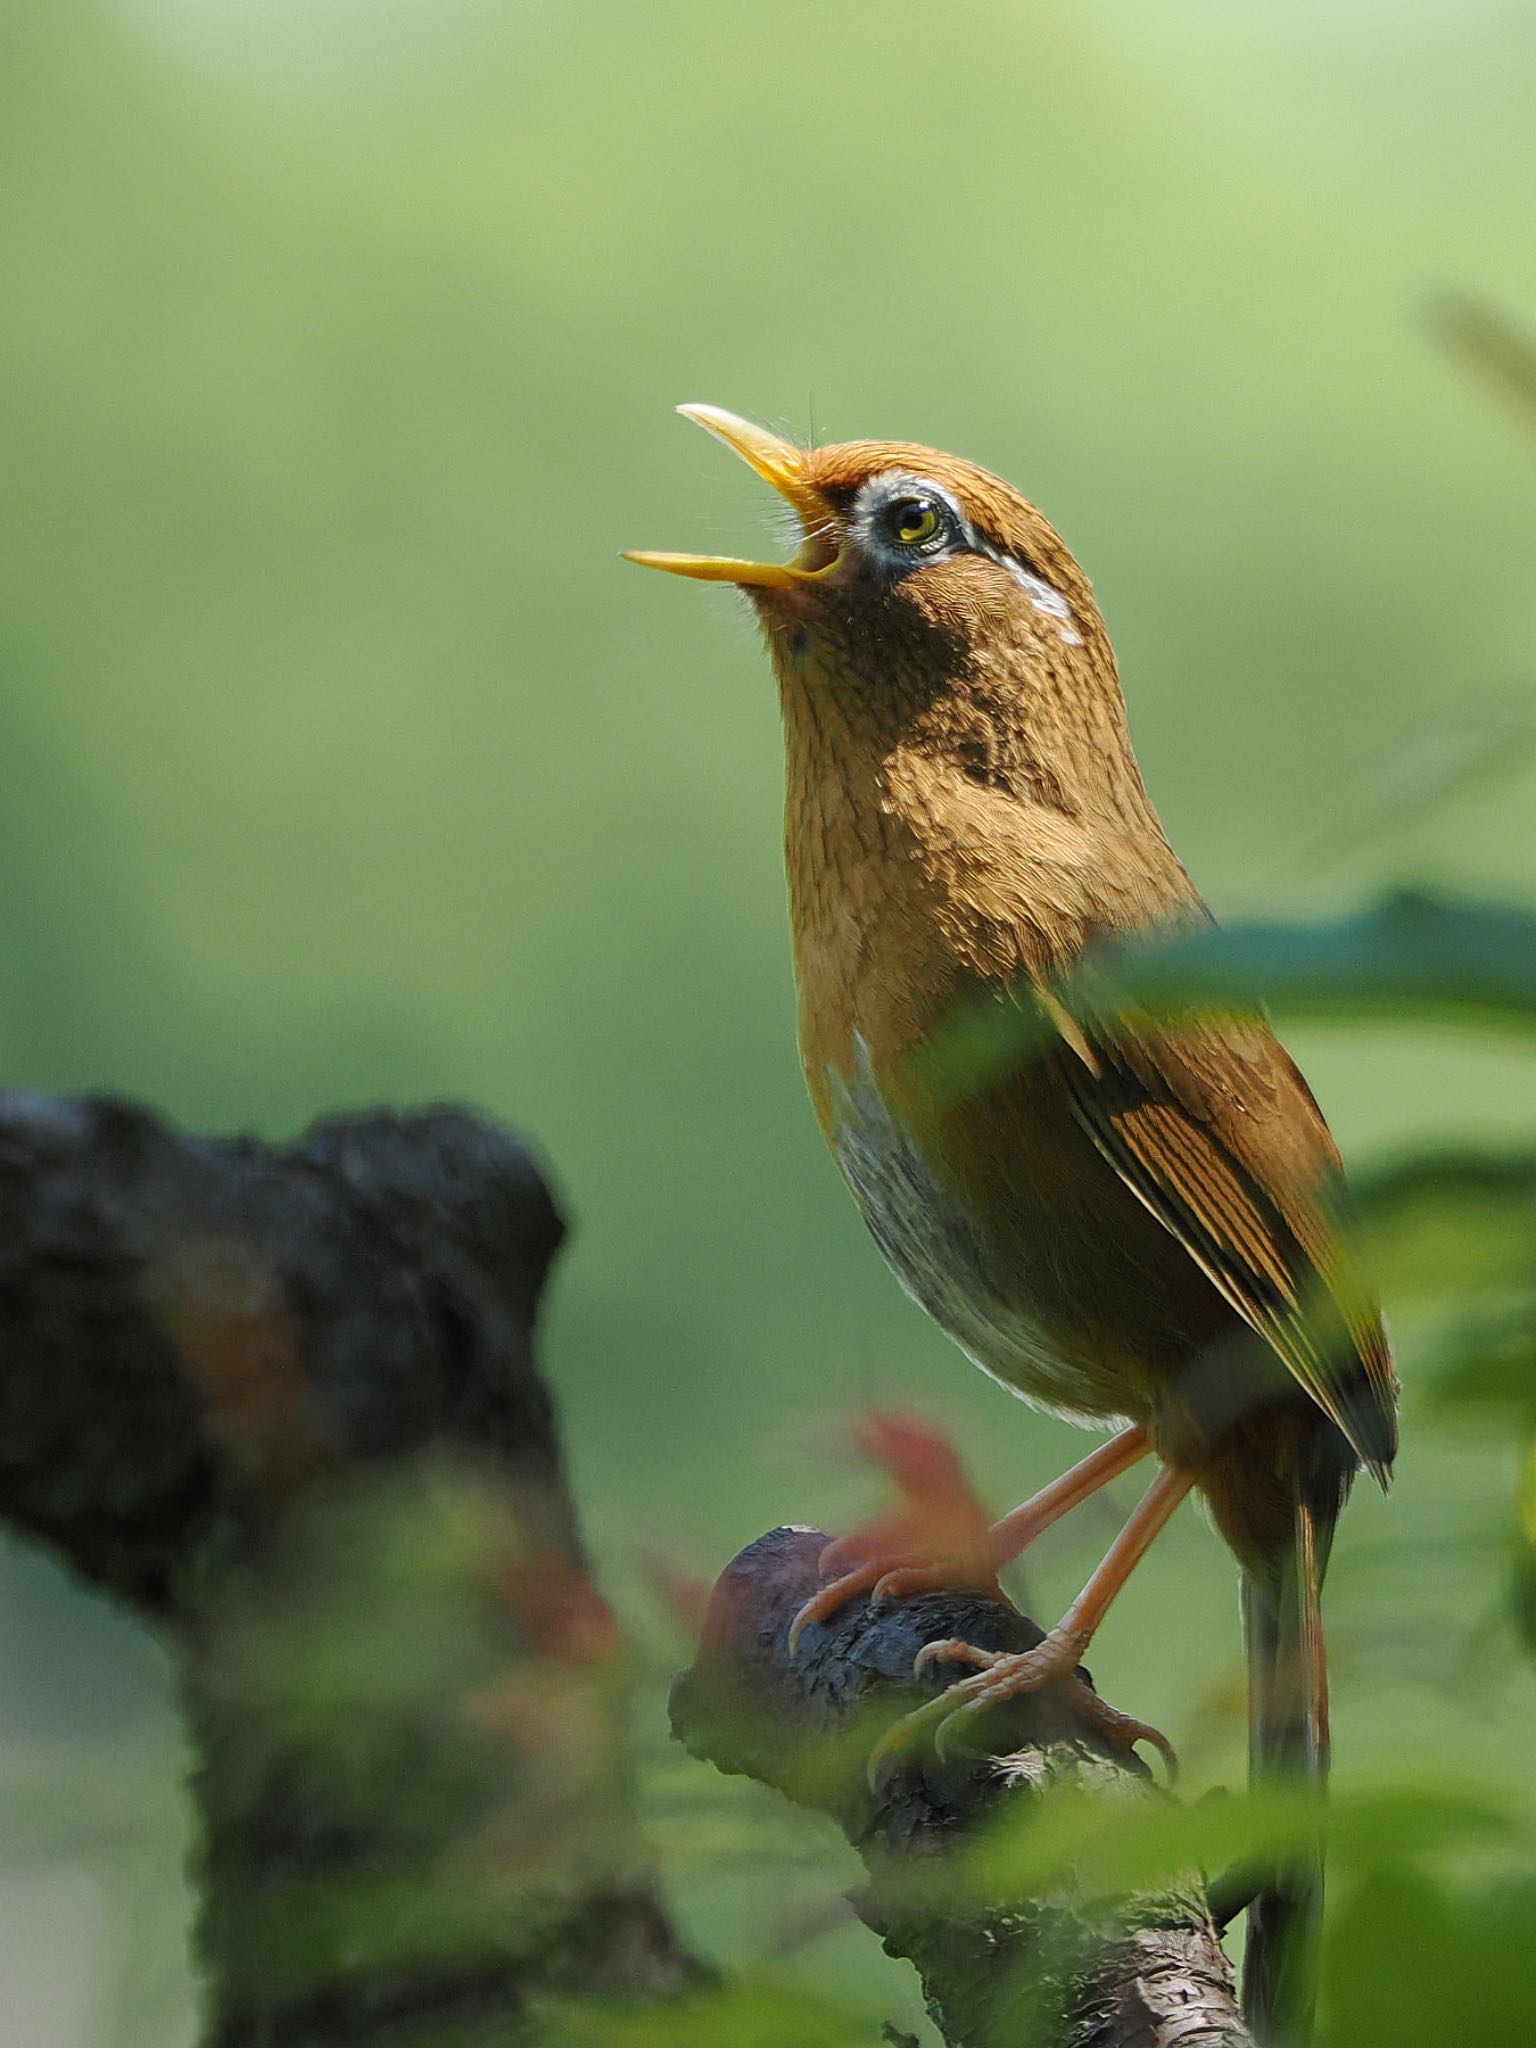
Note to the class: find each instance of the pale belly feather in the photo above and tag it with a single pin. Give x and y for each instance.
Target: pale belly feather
(936, 1246)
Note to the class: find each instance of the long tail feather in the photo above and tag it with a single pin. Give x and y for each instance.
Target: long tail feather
(1287, 1740)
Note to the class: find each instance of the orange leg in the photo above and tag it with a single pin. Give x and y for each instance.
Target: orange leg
(1002, 1676)
(885, 1578)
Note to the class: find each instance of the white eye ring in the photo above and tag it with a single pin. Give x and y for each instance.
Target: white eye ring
(892, 492)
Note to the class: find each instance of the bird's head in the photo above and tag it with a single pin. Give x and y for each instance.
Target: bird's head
(918, 576)
(949, 691)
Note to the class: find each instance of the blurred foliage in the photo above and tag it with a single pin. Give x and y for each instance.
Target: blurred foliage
(1444, 1224)
(754, 2012)
(1410, 960)
(345, 763)
(1490, 343)
(408, 1711)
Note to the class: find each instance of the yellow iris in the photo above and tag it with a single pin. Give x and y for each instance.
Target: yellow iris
(916, 520)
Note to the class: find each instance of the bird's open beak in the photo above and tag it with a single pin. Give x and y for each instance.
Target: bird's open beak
(783, 465)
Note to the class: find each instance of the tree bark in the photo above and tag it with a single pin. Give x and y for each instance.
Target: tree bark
(282, 1401)
(998, 1973)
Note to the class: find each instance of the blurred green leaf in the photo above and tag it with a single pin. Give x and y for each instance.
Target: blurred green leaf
(1409, 1963)
(1105, 1848)
(1411, 959)
(1449, 1223)
(1523, 1575)
(1412, 956)
(1488, 342)
(1487, 1361)
(751, 2012)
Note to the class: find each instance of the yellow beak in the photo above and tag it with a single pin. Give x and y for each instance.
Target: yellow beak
(782, 464)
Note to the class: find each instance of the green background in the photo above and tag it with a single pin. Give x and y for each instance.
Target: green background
(344, 762)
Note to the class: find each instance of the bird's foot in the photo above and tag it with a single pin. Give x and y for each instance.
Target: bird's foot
(886, 1578)
(1001, 1675)
(935, 1537)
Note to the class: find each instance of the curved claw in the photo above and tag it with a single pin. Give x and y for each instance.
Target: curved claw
(935, 1715)
(1125, 1731)
(944, 1735)
(825, 1602)
(890, 1752)
(1003, 1677)
(953, 1650)
(883, 1578)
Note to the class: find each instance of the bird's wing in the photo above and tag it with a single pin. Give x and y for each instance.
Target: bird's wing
(1215, 1130)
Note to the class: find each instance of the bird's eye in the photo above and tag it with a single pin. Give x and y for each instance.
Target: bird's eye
(913, 521)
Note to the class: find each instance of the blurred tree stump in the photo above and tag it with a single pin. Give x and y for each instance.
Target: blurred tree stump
(283, 1402)
(998, 1973)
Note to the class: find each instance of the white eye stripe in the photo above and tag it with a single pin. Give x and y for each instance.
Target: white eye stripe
(879, 490)
(1045, 597)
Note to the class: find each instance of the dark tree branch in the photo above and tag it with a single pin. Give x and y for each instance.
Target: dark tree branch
(283, 1401)
(998, 1973)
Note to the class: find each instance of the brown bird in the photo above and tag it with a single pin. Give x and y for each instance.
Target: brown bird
(1142, 1227)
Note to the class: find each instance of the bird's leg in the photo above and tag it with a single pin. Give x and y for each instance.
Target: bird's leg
(1022, 1525)
(1002, 1676)
(892, 1575)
